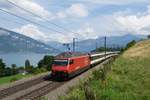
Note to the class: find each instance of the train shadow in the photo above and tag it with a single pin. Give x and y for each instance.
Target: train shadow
(47, 78)
(50, 78)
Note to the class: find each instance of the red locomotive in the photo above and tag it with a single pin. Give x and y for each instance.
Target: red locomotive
(69, 64)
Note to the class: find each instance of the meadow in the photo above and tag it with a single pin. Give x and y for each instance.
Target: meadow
(127, 78)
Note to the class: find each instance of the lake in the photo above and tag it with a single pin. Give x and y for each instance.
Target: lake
(19, 59)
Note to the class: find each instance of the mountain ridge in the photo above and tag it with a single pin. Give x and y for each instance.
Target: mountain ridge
(13, 42)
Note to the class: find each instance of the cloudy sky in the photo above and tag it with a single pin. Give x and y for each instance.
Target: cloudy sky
(83, 19)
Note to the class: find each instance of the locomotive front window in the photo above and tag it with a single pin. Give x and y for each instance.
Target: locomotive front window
(60, 62)
(71, 62)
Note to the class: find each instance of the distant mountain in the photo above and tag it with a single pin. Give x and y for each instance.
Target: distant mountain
(57, 45)
(12, 42)
(90, 44)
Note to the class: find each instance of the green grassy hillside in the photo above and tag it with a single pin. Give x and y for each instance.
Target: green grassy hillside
(128, 79)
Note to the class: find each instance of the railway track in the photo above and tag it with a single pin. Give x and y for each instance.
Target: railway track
(11, 90)
(36, 94)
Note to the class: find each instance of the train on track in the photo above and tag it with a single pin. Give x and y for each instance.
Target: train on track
(69, 64)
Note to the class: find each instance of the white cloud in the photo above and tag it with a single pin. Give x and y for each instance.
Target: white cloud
(136, 23)
(61, 38)
(133, 22)
(87, 32)
(98, 25)
(28, 5)
(78, 10)
(61, 15)
(114, 2)
(75, 10)
(33, 32)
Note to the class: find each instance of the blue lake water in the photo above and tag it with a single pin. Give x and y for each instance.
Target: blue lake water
(19, 59)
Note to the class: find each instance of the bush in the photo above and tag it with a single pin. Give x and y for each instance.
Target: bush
(99, 74)
(36, 71)
(130, 44)
(13, 79)
(89, 94)
(39, 70)
(46, 62)
(96, 74)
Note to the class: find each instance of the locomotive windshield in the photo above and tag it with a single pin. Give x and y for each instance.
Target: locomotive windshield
(60, 62)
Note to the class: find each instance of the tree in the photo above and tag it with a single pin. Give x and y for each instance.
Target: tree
(14, 69)
(130, 44)
(8, 71)
(2, 68)
(27, 63)
(148, 36)
(46, 62)
(28, 67)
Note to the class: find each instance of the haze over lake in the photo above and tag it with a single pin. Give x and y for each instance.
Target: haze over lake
(19, 58)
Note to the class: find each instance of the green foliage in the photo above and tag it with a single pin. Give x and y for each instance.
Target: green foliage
(28, 67)
(89, 94)
(2, 64)
(100, 49)
(96, 74)
(127, 80)
(148, 36)
(39, 70)
(8, 71)
(13, 79)
(8, 79)
(43, 98)
(46, 62)
(27, 63)
(130, 44)
(2, 68)
(14, 69)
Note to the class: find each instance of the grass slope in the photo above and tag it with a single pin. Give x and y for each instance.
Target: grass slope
(128, 79)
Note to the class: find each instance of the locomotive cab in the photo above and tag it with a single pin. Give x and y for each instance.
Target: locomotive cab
(60, 67)
(69, 64)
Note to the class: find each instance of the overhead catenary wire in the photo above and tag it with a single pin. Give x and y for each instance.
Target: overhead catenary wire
(39, 17)
(36, 15)
(9, 20)
(48, 28)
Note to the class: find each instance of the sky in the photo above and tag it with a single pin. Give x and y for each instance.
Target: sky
(62, 20)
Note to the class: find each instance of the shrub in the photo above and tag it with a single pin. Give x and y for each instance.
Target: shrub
(39, 70)
(13, 79)
(89, 94)
(46, 62)
(96, 74)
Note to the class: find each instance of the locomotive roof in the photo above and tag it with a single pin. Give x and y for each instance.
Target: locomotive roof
(70, 54)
